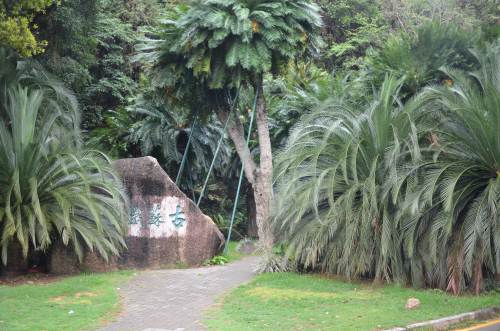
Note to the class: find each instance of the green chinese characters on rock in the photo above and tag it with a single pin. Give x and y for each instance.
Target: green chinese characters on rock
(135, 216)
(155, 215)
(178, 218)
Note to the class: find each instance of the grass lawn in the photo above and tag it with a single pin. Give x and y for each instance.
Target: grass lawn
(72, 303)
(232, 254)
(291, 301)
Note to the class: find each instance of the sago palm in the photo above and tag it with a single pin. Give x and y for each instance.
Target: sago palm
(301, 90)
(30, 73)
(333, 211)
(50, 187)
(453, 228)
(48, 190)
(420, 55)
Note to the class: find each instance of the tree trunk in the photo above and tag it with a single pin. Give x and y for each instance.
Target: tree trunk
(260, 178)
(252, 230)
(264, 177)
(17, 264)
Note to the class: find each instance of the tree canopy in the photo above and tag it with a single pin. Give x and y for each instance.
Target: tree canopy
(16, 28)
(227, 43)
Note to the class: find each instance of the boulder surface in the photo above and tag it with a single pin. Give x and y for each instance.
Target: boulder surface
(165, 226)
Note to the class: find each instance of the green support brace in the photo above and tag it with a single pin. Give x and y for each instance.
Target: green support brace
(184, 157)
(217, 149)
(236, 198)
(190, 182)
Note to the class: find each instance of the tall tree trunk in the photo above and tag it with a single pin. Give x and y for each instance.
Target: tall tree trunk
(252, 230)
(264, 177)
(260, 177)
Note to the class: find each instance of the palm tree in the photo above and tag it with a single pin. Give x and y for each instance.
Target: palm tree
(210, 48)
(52, 188)
(302, 89)
(452, 232)
(333, 211)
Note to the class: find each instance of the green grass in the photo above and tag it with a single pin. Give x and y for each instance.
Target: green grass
(93, 298)
(291, 301)
(232, 254)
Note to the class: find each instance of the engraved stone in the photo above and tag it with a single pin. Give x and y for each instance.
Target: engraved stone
(166, 227)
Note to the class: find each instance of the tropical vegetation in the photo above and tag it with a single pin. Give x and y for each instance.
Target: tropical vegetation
(334, 212)
(376, 148)
(218, 47)
(16, 28)
(393, 190)
(454, 191)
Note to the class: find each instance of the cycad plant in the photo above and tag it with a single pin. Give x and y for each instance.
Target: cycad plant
(453, 229)
(302, 89)
(51, 188)
(419, 55)
(408, 192)
(333, 211)
(30, 73)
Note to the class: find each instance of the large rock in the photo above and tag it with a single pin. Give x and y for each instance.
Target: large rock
(63, 260)
(166, 227)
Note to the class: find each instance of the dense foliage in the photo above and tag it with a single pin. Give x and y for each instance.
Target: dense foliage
(351, 27)
(363, 192)
(333, 209)
(226, 43)
(453, 198)
(90, 48)
(419, 56)
(169, 132)
(387, 137)
(16, 28)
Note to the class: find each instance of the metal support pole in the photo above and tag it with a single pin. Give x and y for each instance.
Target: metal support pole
(184, 157)
(236, 198)
(217, 150)
(190, 182)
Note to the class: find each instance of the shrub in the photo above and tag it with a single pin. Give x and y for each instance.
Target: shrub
(419, 56)
(399, 191)
(452, 233)
(332, 208)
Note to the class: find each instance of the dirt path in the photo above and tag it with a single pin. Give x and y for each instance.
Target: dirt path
(174, 300)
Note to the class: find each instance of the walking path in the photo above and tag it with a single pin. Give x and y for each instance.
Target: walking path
(174, 300)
